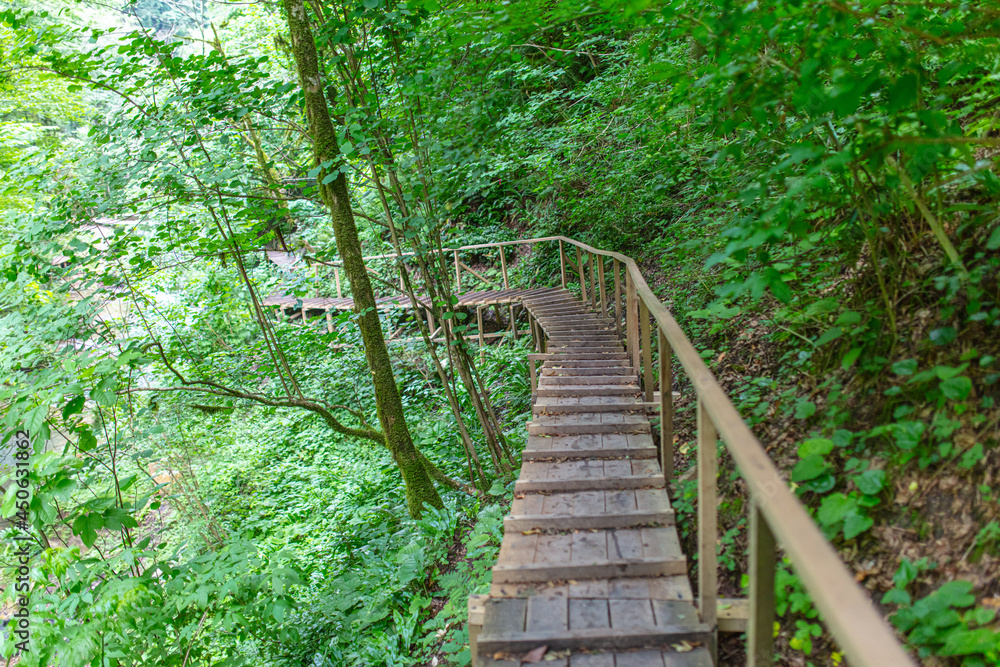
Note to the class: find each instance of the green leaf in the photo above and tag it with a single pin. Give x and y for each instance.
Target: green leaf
(907, 433)
(809, 468)
(74, 406)
(954, 594)
(994, 241)
(86, 441)
(905, 367)
(943, 336)
(870, 482)
(815, 446)
(897, 596)
(957, 388)
(835, 508)
(820, 485)
(850, 358)
(804, 409)
(855, 524)
(971, 642)
(829, 335)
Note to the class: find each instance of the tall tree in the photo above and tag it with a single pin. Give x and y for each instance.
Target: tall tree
(332, 182)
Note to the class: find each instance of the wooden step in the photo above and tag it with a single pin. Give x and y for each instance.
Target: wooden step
(589, 390)
(563, 361)
(699, 657)
(583, 348)
(626, 405)
(577, 371)
(590, 445)
(582, 423)
(669, 587)
(518, 625)
(603, 338)
(565, 358)
(589, 475)
(554, 380)
(553, 343)
(552, 324)
(589, 554)
(589, 509)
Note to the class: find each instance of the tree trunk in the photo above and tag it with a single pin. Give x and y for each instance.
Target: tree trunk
(420, 489)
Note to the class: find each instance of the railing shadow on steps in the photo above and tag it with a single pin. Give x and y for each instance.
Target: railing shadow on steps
(776, 515)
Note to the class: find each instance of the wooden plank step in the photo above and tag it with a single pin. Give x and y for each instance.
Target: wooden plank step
(553, 380)
(626, 405)
(553, 323)
(598, 554)
(669, 587)
(593, 624)
(563, 357)
(583, 423)
(588, 474)
(624, 482)
(577, 348)
(585, 330)
(699, 657)
(589, 390)
(563, 361)
(580, 522)
(590, 445)
(577, 371)
(552, 343)
(589, 509)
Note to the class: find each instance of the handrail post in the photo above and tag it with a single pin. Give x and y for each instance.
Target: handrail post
(708, 575)
(458, 273)
(531, 374)
(562, 264)
(593, 282)
(666, 406)
(760, 630)
(618, 299)
(479, 325)
(503, 267)
(604, 298)
(647, 351)
(336, 277)
(631, 322)
(579, 269)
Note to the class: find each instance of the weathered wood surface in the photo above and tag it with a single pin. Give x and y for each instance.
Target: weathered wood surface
(465, 300)
(590, 562)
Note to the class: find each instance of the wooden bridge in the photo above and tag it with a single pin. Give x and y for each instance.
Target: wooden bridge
(590, 571)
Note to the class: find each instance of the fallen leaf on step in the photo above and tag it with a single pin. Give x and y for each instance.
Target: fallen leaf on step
(533, 531)
(683, 647)
(535, 655)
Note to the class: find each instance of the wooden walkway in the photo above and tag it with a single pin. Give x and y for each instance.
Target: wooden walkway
(590, 565)
(465, 300)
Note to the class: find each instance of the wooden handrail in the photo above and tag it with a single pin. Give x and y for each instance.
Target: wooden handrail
(777, 517)
(859, 629)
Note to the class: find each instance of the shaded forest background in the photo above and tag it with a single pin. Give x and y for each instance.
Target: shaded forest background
(809, 185)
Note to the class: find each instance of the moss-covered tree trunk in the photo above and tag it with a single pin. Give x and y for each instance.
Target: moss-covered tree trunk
(420, 489)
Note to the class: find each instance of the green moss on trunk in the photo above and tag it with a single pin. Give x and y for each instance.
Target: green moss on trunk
(420, 489)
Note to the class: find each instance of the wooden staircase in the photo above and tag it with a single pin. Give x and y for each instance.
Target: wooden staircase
(590, 565)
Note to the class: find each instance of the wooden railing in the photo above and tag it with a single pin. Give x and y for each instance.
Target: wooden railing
(776, 515)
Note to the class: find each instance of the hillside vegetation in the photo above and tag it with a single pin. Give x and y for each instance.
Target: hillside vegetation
(810, 185)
